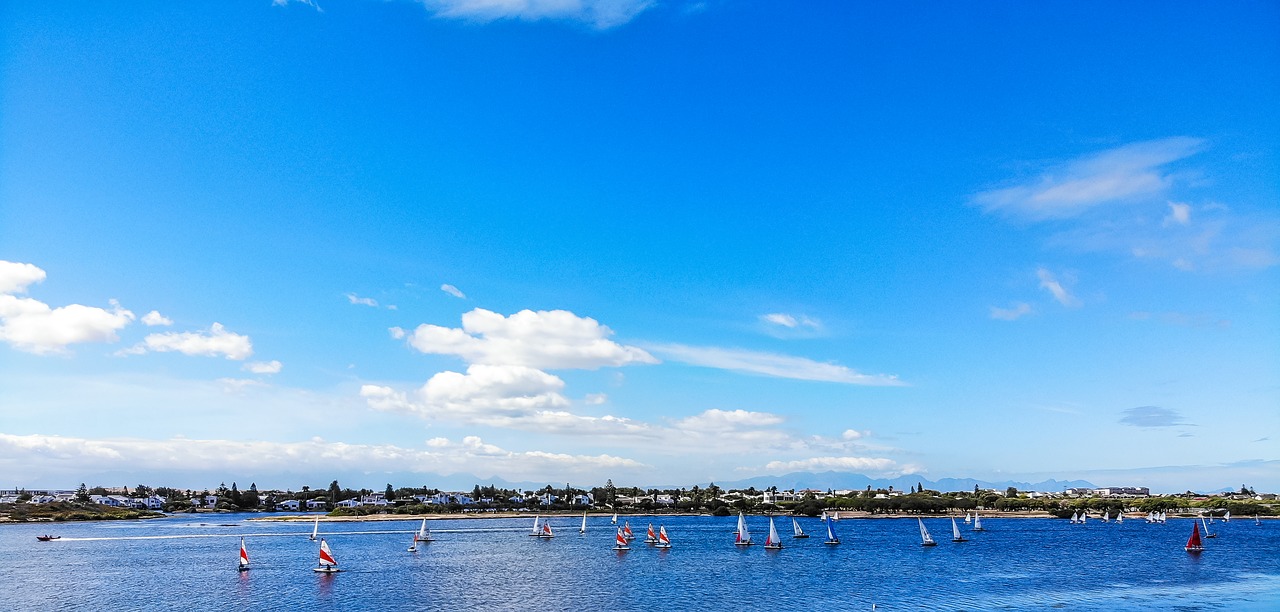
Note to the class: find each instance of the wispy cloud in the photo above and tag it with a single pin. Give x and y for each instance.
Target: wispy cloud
(361, 301)
(71, 457)
(1123, 174)
(1050, 283)
(599, 14)
(311, 3)
(876, 465)
(770, 364)
(454, 291)
(1013, 313)
(1152, 416)
(1179, 214)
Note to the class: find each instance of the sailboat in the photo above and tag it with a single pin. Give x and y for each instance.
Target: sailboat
(614, 521)
(744, 537)
(1193, 543)
(1106, 516)
(626, 531)
(772, 542)
(1206, 529)
(664, 542)
(546, 530)
(1163, 517)
(244, 556)
(315, 531)
(955, 532)
(1119, 518)
(967, 519)
(831, 535)
(651, 537)
(326, 564)
(620, 542)
(1084, 517)
(537, 530)
(1226, 516)
(1075, 517)
(413, 546)
(424, 534)
(925, 539)
(977, 522)
(583, 528)
(799, 533)
(1257, 521)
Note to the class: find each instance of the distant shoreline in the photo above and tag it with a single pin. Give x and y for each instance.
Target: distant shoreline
(843, 515)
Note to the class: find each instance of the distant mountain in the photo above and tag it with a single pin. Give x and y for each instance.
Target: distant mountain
(845, 480)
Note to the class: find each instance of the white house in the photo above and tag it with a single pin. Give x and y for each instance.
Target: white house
(288, 504)
(315, 504)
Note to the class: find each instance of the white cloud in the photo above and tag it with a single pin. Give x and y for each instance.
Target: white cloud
(236, 385)
(1124, 174)
(215, 342)
(1179, 214)
(73, 457)
(30, 325)
(15, 277)
(263, 367)
(1013, 313)
(771, 364)
(790, 321)
(714, 420)
(154, 318)
(454, 291)
(877, 465)
(311, 3)
(595, 399)
(362, 301)
(853, 434)
(554, 339)
(1050, 283)
(486, 394)
(601, 14)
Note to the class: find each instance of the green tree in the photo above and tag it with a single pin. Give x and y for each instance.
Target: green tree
(390, 493)
(335, 492)
(82, 493)
(1011, 492)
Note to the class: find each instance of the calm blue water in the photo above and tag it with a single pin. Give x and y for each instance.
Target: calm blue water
(189, 562)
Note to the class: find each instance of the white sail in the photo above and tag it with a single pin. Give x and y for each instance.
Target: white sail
(772, 541)
(925, 539)
(583, 528)
(795, 526)
(1075, 517)
(1226, 516)
(327, 562)
(537, 530)
(977, 522)
(1084, 517)
(315, 531)
(663, 540)
(955, 532)
(1106, 516)
(423, 534)
(967, 519)
(615, 519)
(244, 556)
(1119, 517)
(744, 536)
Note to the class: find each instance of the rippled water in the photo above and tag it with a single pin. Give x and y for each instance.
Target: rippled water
(189, 562)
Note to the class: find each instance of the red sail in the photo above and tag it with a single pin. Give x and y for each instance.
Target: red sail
(1193, 543)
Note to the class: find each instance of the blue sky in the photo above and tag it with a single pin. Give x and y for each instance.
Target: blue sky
(648, 241)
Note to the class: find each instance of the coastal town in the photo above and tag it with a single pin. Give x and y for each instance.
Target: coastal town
(88, 503)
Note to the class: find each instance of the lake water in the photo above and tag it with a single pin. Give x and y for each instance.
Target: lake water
(189, 562)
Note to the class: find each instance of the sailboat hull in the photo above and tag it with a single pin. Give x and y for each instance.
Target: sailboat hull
(773, 547)
(929, 543)
(801, 536)
(325, 570)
